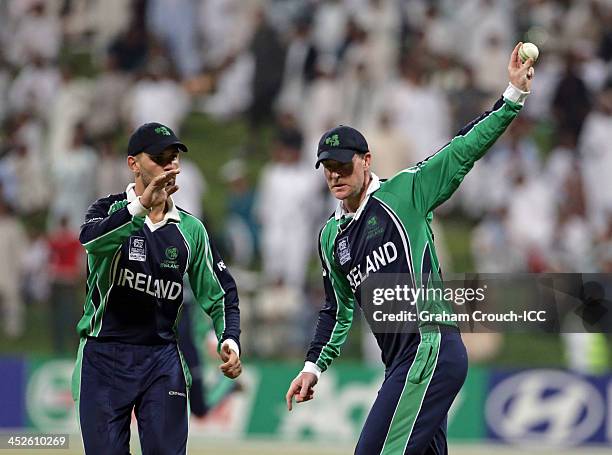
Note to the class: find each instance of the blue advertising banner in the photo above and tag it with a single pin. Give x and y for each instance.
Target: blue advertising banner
(554, 408)
(12, 392)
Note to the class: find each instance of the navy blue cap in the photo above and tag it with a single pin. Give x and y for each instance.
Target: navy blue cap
(153, 138)
(340, 144)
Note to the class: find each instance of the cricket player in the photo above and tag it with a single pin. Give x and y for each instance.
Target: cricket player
(139, 246)
(383, 227)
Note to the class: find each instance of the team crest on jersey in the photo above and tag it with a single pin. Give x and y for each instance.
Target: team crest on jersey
(172, 253)
(138, 249)
(344, 251)
(170, 262)
(374, 228)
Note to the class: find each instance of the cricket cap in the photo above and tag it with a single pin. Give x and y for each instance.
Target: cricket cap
(153, 138)
(340, 144)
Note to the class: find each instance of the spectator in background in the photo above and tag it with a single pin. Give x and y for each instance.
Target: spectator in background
(5, 81)
(230, 19)
(193, 188)
(36, 267)
(28, 173)
(330, 20)
(469, 100)
(112, 174)
(241, 227)
(512, 160)
(130, 48)
(13, 244)
(475, 22)
(488, 66)
(230, 95)
(107, 95)
(299, 68)
(287, 209)
(37, 32)
(35, 87)
(392, 149)
(269, 56)
(65, 276)
(73, 174)
(491, 245)
(605, 43)
(381, 20)
(572, 237)
(72, 104)
(95, 22)
(420, 111)
(158, 87)
(359, 88)
(320, 109)
(596, 157)
(173, 22)
(572, 100)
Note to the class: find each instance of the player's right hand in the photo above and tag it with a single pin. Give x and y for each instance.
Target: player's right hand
(157, 192)
(302, 388)
(520, 73)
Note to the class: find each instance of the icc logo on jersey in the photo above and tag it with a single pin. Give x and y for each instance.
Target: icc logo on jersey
(138, 249)
(344, 251)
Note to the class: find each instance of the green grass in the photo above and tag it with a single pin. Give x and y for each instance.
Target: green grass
(37, 337)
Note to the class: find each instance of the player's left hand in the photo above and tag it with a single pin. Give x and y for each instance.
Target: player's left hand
(231, 366)
(520, 73)
(302, 388)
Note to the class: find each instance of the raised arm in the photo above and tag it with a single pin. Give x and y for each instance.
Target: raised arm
(108, 224)
(435, 179)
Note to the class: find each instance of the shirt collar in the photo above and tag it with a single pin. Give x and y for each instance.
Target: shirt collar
(342, 212)
(171, 214)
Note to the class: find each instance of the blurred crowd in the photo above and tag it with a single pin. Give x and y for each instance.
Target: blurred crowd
(76, 75)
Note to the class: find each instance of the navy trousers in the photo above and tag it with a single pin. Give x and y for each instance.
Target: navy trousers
(116, 378)
(409, 414)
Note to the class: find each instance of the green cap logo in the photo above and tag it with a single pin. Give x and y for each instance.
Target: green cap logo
(333, 140)
(163, 131)
(172, 253)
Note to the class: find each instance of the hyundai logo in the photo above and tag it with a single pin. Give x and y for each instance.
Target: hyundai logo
(545, 406)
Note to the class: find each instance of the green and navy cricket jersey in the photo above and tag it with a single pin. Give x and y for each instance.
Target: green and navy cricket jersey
(135, 271)
(390, 233)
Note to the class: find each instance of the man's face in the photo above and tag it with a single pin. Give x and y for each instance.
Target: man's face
(346, 180)
(150, 166)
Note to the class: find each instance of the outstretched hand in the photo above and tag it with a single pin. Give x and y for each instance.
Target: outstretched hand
(302, 388)
(520, 73)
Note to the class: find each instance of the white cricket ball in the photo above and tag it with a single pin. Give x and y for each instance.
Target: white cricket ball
(528, 50)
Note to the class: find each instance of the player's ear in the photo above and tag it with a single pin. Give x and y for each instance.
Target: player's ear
(133, 164)
(367, 161)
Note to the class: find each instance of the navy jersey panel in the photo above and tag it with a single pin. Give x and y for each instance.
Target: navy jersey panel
(148, 289)
(118, 377)
(379, 249)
